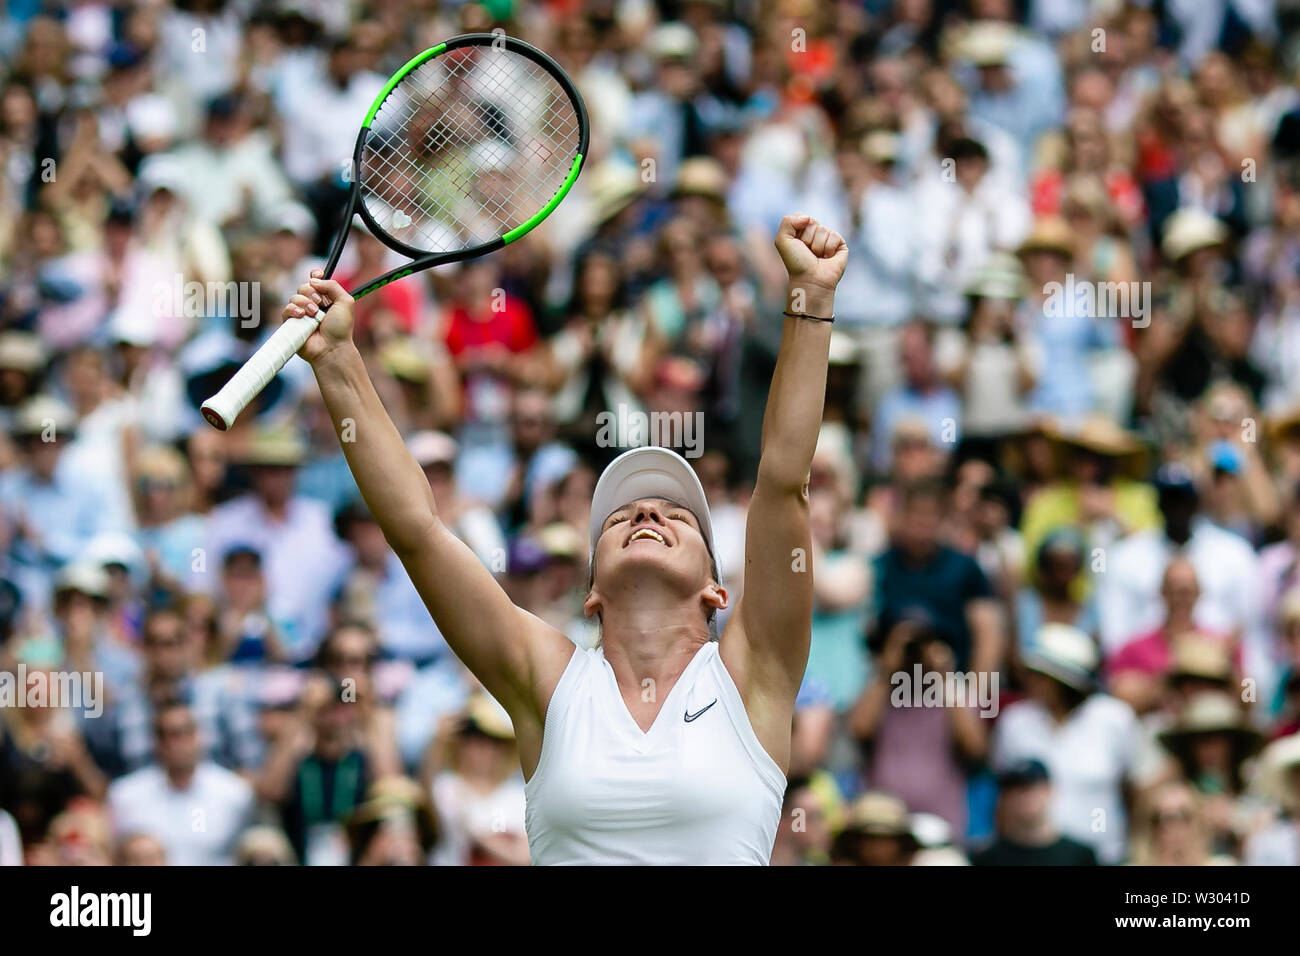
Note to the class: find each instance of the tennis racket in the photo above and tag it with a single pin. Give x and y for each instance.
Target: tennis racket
(467, 148)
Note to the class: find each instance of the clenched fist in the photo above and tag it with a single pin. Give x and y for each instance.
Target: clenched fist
(814, 256)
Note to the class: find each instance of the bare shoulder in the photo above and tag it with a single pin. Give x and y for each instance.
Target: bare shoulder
(551, 651)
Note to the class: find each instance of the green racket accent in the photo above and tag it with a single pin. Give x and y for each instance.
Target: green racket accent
(396, 78)
(563, 191)
(381, 282)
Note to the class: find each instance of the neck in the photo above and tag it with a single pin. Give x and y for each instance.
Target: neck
(180, 777)
(1030, 832)
(1058, 707)
(331, 749)
(279, 510)
(650, 643)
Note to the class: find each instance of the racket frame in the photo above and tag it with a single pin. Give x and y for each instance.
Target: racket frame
(221, 409)
(421, 260)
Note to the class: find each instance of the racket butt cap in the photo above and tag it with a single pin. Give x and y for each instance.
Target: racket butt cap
(214, 418)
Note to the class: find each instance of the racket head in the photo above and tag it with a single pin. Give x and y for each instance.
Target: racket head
(468, 147)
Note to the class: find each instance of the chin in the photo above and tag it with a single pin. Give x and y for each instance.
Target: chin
(638, 564)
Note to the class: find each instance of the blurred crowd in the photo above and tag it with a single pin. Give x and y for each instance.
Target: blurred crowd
(1060, 452)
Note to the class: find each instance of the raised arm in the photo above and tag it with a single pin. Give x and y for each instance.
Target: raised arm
(766, 644)
(516, 656)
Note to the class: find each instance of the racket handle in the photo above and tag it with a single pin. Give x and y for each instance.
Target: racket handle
(223, 408)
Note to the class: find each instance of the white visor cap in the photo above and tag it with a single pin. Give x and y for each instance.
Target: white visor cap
(649, 472)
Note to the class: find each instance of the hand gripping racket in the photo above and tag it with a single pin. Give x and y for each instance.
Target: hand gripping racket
(468, 147)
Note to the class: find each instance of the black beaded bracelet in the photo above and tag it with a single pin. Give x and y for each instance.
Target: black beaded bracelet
(805, 315)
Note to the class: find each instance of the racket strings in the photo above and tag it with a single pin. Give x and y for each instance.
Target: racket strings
(467, 147)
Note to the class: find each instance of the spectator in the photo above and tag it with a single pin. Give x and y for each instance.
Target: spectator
(318, 771)
(966, 214)
(1173, 830)
(875, 833)
(169, 532)
(1225, 565)
(1284, 710)
(1085, 738)
(804, 838)
(264, 846)
(918, 753)
(1277, 844)
(171, 674)
(1057, 566)
(376, 591)
(1027, 835)
(282, 527)
(44, 762)
(476, 786)
(231, 172)
(195, 808)
(140, 849)
(841, 590)
(922, 395)
(59, 508)
(395, 827)
(918, 571)
(991, 364)
(1135, 670)
(1210, 742)
(472, 522)
(246, 633)
(1069, 329)
(1096, 491)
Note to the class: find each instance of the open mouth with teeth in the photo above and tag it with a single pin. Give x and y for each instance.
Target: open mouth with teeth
(648, 534)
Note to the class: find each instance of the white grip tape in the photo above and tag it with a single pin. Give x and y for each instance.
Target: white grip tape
(223, 408)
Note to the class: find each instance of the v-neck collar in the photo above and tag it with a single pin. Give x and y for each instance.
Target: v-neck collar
(641, 738)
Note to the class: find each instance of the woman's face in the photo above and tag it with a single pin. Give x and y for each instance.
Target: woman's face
(652, 537)
(1214, 79)
(1060, 567)
(1212, 751)
(1087, 141)
(44, 237)
(481, 755)
(349, 656)
(207, 458)
(78, 613)
(159, 497)
(17, 109)
(599, 280)
(680, 245)
(724, 261)
(1042, 687)
(972, 476)
(1045, 265)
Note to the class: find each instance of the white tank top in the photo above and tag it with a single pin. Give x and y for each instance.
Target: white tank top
(697, 788)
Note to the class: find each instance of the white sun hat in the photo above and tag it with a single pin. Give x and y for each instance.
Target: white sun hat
(1065, 653)
(649, 472)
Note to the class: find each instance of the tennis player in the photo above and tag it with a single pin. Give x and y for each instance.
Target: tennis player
(664, 744)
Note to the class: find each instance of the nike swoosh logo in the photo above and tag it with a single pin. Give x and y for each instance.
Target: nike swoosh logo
(689, 716)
